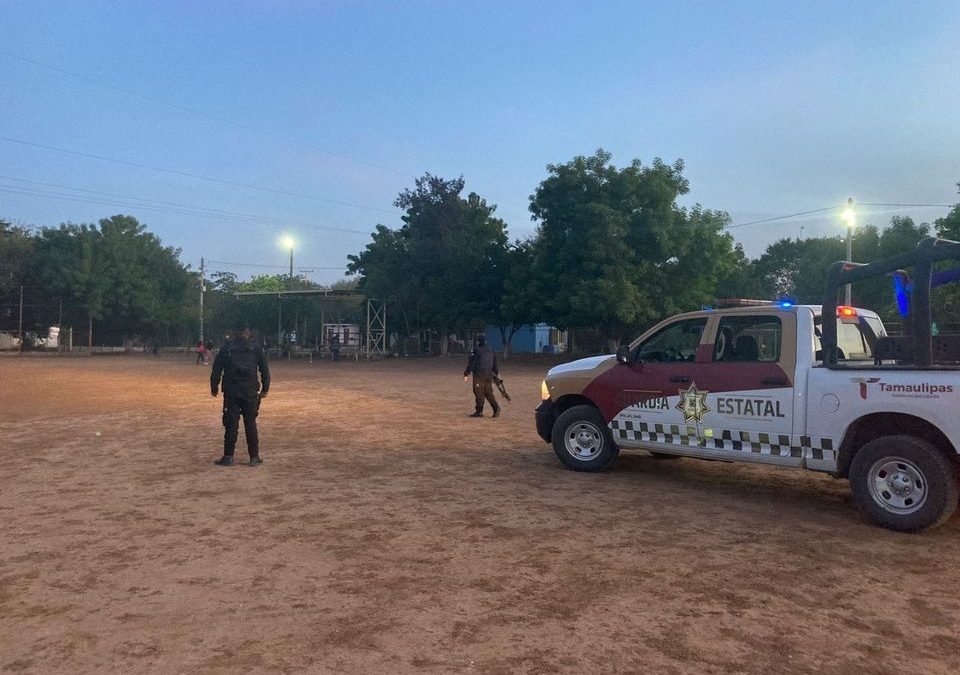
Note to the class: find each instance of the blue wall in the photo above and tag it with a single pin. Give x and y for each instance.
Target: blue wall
(526, 339)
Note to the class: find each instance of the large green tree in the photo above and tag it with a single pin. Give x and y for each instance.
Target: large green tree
(122, 276)
(443, 268)
(614, 250)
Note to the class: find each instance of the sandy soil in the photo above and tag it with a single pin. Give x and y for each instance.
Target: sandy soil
(386, 532)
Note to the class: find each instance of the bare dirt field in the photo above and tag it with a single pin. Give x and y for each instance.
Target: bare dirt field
(388, 533)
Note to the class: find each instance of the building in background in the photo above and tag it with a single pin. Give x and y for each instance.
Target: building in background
(538, 338)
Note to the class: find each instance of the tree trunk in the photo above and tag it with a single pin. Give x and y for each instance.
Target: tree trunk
(90, 331)
(506, 334)
(444, 342)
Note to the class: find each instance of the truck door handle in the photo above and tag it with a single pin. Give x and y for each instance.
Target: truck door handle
(679, 378)
(781, 381)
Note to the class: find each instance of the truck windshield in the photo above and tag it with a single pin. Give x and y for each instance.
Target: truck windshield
(856, 340)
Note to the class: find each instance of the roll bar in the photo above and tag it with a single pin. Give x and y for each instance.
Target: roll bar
(921, 260)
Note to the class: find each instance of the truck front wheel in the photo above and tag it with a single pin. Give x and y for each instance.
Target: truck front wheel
(903, 483)
(582, 441)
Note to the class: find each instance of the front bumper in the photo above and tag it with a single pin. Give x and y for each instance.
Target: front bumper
(546, 415)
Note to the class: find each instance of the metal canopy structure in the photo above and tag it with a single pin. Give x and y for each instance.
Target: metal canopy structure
(376, 344)
(376, 328)
(325, 292)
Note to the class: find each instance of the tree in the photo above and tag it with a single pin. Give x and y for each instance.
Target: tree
(518, 299)
(118, 272)
(615, 251)
(16, 256)
(948, 227)
(441, 266)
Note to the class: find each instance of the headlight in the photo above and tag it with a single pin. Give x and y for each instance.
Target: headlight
(544, 392)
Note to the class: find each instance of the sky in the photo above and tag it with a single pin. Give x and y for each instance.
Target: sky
(225, 126)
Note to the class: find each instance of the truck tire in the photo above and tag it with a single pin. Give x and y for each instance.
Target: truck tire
(904, 483)
(582, 441)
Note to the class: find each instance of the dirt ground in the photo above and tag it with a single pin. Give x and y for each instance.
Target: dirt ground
(387, 532)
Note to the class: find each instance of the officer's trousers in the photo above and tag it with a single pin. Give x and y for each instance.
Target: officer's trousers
(483, 390)
(235, 405)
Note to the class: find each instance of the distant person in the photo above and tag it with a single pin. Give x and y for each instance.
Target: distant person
(201, 353)
(238, 362)
(483, 366)
(335, 347)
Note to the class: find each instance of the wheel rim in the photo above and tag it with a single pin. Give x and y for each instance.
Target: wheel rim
(583, 441)
(897, 485)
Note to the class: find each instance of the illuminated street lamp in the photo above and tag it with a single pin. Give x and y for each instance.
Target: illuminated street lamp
(287, 243)
(850, 216)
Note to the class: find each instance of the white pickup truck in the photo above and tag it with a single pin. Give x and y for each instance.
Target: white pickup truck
(820, 387)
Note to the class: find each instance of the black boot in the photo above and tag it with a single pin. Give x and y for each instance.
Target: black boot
(479, 413)
(256, 461)
(496, 412)
(226, 460)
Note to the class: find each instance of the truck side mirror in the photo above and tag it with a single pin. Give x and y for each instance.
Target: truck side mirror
(623, 354)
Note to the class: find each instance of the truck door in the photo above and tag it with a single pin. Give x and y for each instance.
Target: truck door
(749, 388)
(644, 393)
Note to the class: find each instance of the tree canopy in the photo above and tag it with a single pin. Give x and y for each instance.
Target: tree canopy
(614, 249)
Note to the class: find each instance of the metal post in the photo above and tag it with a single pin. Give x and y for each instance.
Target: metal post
(849, 259)
(291, 263)
(279, 325)
(20, 325)
(202, 282)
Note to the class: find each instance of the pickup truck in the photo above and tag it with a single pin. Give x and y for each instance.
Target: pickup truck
(818, 387)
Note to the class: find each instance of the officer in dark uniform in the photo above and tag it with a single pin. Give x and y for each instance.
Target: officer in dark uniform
(483, 366)
(238, 362)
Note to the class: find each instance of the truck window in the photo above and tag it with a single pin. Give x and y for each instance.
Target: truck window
(854, 339)
(748, 338)
(676, 342)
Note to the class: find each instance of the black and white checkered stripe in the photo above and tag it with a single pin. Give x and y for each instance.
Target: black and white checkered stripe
(776, 445)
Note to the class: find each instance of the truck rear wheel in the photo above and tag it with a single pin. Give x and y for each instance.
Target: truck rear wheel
(904, 483)
(582, 441)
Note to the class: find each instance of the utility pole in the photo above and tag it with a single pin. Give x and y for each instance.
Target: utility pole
(849, 215)
(291, 263)
(202, 289)
(20, 324)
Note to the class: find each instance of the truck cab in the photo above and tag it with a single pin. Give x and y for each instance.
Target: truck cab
(803, 386)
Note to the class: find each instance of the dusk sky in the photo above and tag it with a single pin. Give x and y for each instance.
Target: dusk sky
(332, 108)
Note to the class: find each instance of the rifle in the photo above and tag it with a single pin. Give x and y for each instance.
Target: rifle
(503, 390)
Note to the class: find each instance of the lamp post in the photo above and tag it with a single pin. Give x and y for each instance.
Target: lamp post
(850, 216)
(287, 243)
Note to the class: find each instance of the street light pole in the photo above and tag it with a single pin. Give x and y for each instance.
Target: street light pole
(288, 243)
(849, 215)
(20, 323)
(202, 289)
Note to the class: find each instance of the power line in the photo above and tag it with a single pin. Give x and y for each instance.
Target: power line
(239, 264)
(932, 206)
(188, 174)
(830, 208)
(200, 113)
(164, 207)
(217, 118)
(789, 215)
